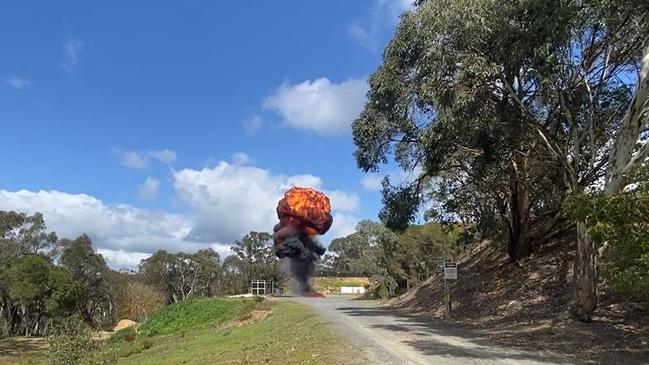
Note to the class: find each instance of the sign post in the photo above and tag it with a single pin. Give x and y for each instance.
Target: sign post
(450, 273)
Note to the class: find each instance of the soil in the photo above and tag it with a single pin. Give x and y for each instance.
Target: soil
(526, 305)
(124, 323)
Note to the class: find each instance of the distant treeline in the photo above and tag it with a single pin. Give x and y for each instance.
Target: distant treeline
(44, 278)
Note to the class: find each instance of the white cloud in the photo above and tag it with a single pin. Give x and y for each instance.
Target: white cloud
(149, 189)
(362, 36)
(72, 51)
(344, 224)
(383, 15)
(253, 125)
(134, 160)
(372, 182)
(18, 83)
(342, 201)
(241, 158)
(229, 200)
(141, 159)
(321, 106)
(119, 259)
(111, 227)
(164, 156)
(225, 202)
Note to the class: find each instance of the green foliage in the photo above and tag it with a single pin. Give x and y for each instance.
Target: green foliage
(495, 109)
(181, 276)
(134, 347)
(87, 269)
(28, 279)
(41, 290)
(127, 334)
(622, 221)
(194, 313)
(71, 343)
(253, 259)
(22, 234)
(63, 292)
(261, 342)
(399, 205)
(393, 262)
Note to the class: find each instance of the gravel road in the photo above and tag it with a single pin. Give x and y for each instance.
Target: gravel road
(388, 337)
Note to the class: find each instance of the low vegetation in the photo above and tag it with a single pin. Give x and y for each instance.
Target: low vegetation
(393, 262)
(194, 313)
(71, 343)
(288, 333)
(291, 334)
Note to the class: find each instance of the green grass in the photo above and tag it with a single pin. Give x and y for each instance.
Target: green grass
(124, 335)
(291, 334)
(195, 313)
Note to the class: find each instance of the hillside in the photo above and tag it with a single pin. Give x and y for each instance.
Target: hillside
(276, 332)
(527, 305)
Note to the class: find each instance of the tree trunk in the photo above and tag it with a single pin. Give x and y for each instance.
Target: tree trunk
(585, 275)
(624, 157)
(519, 243)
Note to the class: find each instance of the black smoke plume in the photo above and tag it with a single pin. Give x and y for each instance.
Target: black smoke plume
(301, 252)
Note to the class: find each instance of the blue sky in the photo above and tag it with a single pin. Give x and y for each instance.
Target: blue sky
(177, 125)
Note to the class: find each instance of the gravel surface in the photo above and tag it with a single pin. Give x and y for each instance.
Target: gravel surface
(389, 337)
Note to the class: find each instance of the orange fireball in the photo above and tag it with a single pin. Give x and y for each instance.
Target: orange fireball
(306, 209)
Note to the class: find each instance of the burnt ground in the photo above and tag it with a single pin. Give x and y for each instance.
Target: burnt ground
(525, 305)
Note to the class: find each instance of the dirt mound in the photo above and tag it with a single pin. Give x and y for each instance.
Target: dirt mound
(526, 305)
(124, 323)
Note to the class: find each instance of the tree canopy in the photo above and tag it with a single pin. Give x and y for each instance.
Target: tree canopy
(501, 110)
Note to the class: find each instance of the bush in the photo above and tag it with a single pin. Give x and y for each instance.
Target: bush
(71, 343)
(128, 334)
(622, 221)
(134, 348)
(139, 301)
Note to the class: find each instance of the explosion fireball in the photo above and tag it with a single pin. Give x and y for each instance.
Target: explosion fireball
(303, 213)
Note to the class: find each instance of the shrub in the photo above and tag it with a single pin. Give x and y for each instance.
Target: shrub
(622, 221)
(127, 334)
(134, 348)
(139, 301)
(71, 343)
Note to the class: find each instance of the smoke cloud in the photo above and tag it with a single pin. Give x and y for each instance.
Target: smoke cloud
(303, 214)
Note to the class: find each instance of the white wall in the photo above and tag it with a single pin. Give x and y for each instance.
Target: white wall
(352, 290)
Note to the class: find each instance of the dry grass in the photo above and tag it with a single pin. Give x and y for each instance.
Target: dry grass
(22, 350)
(526, 305)
(331, 285)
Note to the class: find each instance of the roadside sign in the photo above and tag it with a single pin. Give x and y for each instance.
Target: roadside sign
(450, 270)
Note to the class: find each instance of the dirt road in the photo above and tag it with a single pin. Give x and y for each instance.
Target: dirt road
(391, 338)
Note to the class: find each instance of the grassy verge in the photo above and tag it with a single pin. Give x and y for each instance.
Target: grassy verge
(291, 334)
(196, 313)
(237, 332)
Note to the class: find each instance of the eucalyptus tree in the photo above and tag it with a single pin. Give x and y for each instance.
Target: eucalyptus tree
(502, 109)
